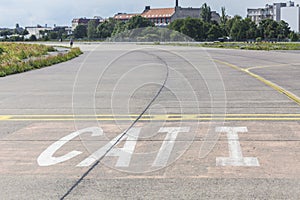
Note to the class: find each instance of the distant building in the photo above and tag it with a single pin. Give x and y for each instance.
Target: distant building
(36, 30)
(85, 21)
(65, 29)
(259, 14)
(18, 29)
(181, 13)
(273, 11)
(159, 16)
(124, 17)
(277, 10)
(292, 16)
(164, 16)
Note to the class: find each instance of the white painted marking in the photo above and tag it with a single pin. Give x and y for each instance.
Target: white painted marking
(124, 153)
(168, 144)
(47, 159)
(235, 152)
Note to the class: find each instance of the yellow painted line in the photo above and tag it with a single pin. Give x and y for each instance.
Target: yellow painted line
(267, 114)
(166, 119)
(261, 119)
(154, 116)
(276, 87)
(5, 117)
(226, 119)
(69, 115)
(267, 82)
(268, 66)
(229, 64)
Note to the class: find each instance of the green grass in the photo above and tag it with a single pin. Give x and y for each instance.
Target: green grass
(17, 58)
(254, 46)
(266, 46)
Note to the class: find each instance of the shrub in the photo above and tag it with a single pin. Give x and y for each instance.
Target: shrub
(15, 65)
(32, 38)
(259, 39)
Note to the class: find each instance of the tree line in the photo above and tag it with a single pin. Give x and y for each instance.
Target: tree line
(236, 28)
(20, 34)
(109, 27)
(199, 29)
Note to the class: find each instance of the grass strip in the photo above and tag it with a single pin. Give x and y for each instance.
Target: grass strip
(264, 46)
(17, 65)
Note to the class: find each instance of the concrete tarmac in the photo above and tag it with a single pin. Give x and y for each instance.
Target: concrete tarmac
(127, 121)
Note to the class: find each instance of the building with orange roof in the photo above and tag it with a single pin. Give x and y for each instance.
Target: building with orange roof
(159, 16)
(85, 21)
(164, 16)
(124, 17)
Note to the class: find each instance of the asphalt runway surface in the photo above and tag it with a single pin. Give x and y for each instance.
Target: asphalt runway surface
(126, 121)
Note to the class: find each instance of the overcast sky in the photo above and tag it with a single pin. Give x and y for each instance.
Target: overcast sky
(61, 12)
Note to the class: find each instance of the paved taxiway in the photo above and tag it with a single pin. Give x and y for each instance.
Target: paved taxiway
(216, 124)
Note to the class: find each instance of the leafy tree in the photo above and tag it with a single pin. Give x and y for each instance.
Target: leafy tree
(214, 32)
(32, 38)
(80, 31)
(113, 27)
(92, 29)
(119, 28)
(229, 23)
(294, 37)
(238, 29)
(205, 13)
(283, 30)
(106, 28)
(6, 32)
(25, 32)
(53, 35)
(190, 27)
(252, 30)
(241, 29)
(61, 32)
(138, 22)
(176, 24)
(223, 21)
(195, 28)
(15, 39)
(268, 29)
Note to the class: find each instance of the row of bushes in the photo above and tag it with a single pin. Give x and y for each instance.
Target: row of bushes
(254, 46)
(20, 51)
(37, 63)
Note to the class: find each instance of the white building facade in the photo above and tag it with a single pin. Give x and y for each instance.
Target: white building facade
(259, 14)
(273, 11)
(36, 30)
(277, 10)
